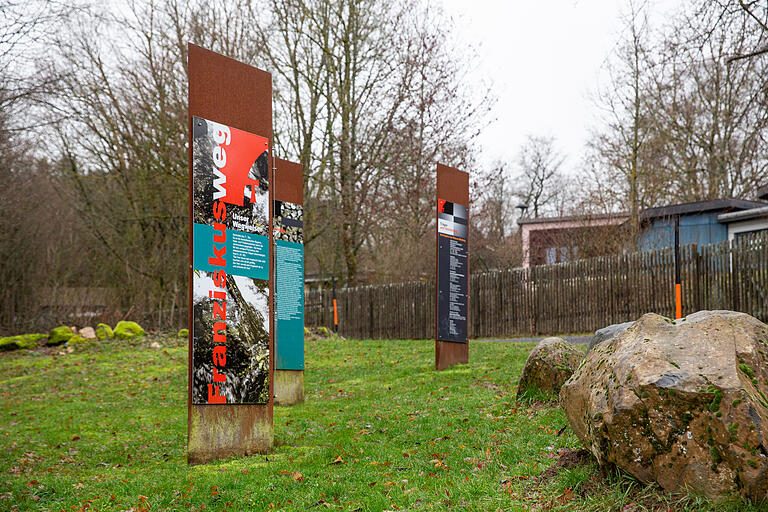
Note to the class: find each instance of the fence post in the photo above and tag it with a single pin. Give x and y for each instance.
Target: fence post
(734, 268)
(695, 277)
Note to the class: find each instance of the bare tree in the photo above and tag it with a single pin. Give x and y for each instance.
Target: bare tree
(438, 122)
(757, 12)
(122, 101)
(619, 147)
(684, 122)
(539, 182)
(495, 239)
(709, 113)
(371, 97)
(25, 80)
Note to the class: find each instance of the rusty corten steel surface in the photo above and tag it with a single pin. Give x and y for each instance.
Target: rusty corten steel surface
(289, 182)
(453, 186)
(232, 93)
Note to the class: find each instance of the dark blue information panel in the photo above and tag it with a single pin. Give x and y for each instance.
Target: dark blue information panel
(452, 270)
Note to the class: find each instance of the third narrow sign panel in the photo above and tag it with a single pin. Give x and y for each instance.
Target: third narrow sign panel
(452, 266)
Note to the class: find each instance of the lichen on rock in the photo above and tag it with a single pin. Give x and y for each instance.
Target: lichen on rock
(104, 332)
(77, 340)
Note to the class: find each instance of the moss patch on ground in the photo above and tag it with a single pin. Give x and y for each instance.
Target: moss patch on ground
(21, 341)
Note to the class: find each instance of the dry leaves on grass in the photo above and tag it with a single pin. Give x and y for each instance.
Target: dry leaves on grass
(295, 475)
(142, 506)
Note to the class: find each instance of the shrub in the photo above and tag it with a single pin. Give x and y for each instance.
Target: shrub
(184, 333)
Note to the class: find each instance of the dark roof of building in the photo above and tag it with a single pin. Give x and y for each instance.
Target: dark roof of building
(723, 205)
(762, 192)
(572, 218)
(753, 213)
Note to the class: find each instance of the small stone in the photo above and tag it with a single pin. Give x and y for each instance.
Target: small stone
(88, 333)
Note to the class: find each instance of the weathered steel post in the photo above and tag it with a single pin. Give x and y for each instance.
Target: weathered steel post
(452, 268)
(231, 361)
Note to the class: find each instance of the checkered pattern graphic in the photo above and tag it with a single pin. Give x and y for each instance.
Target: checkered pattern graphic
(451, 219)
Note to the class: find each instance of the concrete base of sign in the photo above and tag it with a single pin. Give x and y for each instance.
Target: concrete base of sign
(289, 387)
(448, 353)
(221, 431)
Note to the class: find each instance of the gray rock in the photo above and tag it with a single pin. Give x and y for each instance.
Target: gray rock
(548, 366)
(682, 403)
(607, 333)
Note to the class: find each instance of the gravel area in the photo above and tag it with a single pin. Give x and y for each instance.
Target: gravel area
(570, 339)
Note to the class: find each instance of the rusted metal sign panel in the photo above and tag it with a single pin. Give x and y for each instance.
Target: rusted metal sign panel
(451, 267)
(231, 297)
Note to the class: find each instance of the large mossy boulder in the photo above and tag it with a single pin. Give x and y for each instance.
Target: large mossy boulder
(681, 403)
(21, 341)
(59, 335)
(125, 330)
(548, 366)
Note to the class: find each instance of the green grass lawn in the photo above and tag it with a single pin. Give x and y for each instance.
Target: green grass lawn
(104, 428)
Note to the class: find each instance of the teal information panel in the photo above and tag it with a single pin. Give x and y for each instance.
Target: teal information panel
(289, 287)
(246, 254)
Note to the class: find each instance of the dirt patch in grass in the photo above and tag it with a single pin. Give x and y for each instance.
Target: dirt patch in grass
(640, 497)
(566, 459)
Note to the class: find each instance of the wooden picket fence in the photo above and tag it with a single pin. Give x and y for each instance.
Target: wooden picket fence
(575, 297)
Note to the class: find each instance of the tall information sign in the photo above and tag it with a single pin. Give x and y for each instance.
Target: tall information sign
(452, 283)
(289, 282)
(230, 287)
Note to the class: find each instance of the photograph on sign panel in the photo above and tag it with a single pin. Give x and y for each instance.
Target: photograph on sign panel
(289, 225)
(234, 316)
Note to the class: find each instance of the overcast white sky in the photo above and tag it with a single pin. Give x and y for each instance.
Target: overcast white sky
(544, 61)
